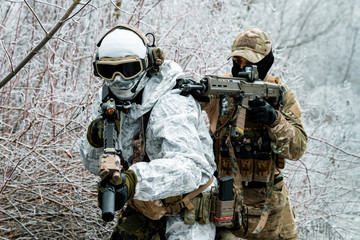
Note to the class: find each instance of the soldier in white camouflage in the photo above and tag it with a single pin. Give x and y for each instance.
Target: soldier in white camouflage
(164, 142)
(255, 159)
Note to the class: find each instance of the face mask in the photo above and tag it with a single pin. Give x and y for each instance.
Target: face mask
(235, 69)
(127, 89)
(264, 65)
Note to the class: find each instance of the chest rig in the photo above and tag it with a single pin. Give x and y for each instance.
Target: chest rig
(248, 157)
(252, 152)
(139, 153)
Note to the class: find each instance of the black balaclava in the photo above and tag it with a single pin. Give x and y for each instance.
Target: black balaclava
(235, 69)
(263, 66)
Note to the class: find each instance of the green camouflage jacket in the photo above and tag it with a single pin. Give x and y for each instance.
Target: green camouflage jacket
(288, 137)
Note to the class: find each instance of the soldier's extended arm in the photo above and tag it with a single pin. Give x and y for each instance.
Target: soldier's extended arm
(288, 137)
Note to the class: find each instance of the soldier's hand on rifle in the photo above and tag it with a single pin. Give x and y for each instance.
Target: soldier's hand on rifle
(95, 130)
(124, 188)
(261, 112)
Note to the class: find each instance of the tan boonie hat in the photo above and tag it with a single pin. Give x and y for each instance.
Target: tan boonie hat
(251, 44)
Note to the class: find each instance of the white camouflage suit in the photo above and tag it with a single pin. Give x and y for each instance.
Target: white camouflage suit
(178, 145)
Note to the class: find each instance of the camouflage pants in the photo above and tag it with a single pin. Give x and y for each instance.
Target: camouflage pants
(280, 224)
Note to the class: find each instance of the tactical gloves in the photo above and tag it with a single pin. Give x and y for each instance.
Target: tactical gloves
(95, 132)
(261, 112)
(124, 188)
(128, 179)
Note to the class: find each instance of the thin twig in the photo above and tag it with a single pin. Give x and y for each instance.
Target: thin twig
(77, 11)
(118, 8)
(172, 28)
(150, 9)
(7, 54)
(19, 223)
(352, 52)
(50, 4)
(307, 174)
(33, 12)
(337, 148)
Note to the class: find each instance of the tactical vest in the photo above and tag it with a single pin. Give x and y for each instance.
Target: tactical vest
(248, 157)
(253, 158)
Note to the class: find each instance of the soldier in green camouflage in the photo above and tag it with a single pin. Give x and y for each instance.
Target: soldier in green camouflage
(255, 159)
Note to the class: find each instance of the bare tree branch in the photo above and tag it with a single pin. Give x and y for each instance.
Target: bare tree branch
(32, 10)
(40, 45)
(332, 145)
(77, 11)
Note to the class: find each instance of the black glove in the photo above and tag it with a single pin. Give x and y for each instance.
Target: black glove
(124, 188)
(121, 193)
(261, 112)
(95, 132)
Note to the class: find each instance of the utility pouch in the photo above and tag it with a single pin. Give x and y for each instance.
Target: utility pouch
(205, 208)
(262, 170)
(222, 203)
(246, 169)
(190, 216)
(201, 211)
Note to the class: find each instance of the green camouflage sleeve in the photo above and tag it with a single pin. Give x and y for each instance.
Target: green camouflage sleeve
(288, 137)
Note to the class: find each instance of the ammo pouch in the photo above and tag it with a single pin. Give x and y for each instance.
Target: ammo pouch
(221, 211)
(254, 161)
(255, 170)
(222, 203)
(201, 211)
(216, 207)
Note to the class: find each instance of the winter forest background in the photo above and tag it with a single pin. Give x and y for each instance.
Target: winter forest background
(46, 193)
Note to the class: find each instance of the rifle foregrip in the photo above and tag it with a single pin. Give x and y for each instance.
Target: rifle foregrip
(240, 121)
(108, 203)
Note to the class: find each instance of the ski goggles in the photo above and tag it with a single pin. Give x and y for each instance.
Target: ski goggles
(127, 67)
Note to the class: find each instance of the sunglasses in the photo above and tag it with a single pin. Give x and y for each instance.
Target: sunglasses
(127, 67)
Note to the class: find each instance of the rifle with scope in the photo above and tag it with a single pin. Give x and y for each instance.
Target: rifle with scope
(244, 88)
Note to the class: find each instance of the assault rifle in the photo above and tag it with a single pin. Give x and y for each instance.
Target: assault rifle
(244, 88)
(109, 162)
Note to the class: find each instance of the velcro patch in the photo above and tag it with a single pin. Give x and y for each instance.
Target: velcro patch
(295, 109)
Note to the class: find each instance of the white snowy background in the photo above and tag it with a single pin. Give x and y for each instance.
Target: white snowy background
(45, 193)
